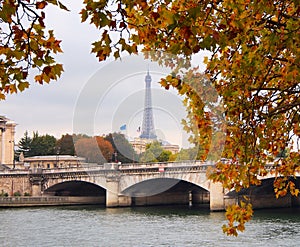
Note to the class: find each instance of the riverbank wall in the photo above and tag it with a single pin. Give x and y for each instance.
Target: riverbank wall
(264, 201)
(28, 201)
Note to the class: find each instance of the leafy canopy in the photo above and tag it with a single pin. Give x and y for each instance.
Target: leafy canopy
(254, 68)
(36, 145)
(123, 150)
(26, 44)
(95, 149)
(155, 153)
(65, 145)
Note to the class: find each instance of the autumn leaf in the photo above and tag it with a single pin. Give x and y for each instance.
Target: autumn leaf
(41, 5)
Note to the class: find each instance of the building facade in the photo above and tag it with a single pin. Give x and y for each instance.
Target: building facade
(7, 141)
(174, 149)
(53, 161)
(139, 145)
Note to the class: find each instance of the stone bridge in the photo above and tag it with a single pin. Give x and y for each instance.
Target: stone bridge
(131, 184)
(137, 184)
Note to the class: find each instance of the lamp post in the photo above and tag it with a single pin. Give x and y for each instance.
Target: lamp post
(116, 154)
(13, 154)
(3, 121)
(57, 157)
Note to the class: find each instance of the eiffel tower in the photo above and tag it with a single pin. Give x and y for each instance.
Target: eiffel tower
(148, 131)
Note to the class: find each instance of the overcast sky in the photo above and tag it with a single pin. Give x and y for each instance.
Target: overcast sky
(93, 97)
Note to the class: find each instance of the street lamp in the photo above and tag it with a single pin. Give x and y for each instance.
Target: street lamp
(116, 160)
(57, 157)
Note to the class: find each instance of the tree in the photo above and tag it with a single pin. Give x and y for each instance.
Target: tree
(253, 70)
(37, 145)
(153, 150)
(187, 154)
(42, 145)
(124, 150)
(94, 149)
(164, 156)
(24, 145)
(155, 153)
(25, 45)
(105, 147)
(253, 67)
(76, 137)
(65, 145)
(148, 156)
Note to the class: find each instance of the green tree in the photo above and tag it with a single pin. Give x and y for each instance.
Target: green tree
(164, 156)
(155, 153)
(173, 157)
(42, 145)
(147, 156)
(65, 145)
(76, 137)
(37, 145)
(123, 149)
(187, 154)
(24, 145)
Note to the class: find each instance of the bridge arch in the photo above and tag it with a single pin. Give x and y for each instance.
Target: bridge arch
(75, 188)
(263, 195)
(198, 179)
(159, 191)
(265, 188)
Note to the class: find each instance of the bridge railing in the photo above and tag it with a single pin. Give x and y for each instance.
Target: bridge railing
(15, 172)
(186, 163)
(108, 167)
(124, 168)
(73, 169)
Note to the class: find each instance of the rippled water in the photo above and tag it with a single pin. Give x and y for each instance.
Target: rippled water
(144, 226)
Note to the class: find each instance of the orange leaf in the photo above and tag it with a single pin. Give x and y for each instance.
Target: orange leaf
(41, 5)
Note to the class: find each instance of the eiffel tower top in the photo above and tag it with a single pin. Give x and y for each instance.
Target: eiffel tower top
(148, 131)
(148, 78)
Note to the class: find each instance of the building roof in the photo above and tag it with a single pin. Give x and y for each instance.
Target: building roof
(6, 121)
(54, 158)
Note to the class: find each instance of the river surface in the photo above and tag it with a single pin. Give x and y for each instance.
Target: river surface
(142, 226)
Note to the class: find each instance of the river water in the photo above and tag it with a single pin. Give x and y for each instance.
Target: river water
(142, 226)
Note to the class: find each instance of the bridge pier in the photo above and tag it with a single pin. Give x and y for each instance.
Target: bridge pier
(113, 197)
(124, 201)
(36, 189)
(217, 202)
(36, 181)
(115, 200)
(112, 191)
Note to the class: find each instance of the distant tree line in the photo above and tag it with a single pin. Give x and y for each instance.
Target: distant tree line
(97, 149)
(113, 147)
